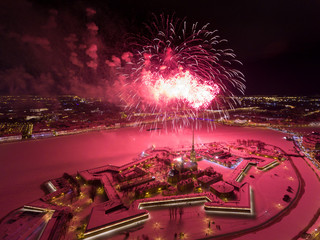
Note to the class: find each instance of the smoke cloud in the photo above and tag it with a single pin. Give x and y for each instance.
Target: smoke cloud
(55, 51)
(115, 62)
(90, 12)
(92, 51)
(36, 41)
(127, 57)
(92, 27)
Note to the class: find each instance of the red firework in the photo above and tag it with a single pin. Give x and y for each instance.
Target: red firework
(173, 66)
(182, 86)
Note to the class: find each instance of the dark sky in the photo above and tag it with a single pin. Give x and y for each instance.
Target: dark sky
(45, 45)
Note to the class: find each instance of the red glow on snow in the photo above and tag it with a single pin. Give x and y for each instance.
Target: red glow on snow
(182, 86)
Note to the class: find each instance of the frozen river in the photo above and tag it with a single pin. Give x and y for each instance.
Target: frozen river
(25, 165)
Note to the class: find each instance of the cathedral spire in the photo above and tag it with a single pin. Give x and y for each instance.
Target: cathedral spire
(192, 139)
(193, 153)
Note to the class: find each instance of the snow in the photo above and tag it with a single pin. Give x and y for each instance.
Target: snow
(27, 164)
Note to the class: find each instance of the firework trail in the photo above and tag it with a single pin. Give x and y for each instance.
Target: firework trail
(176, 73)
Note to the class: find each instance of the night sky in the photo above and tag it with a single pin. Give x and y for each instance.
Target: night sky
(45, 45)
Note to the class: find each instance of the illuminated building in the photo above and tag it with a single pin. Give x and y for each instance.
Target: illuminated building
(222, 189)
(312, 141)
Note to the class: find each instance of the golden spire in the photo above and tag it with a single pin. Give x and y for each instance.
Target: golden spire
(193, 153)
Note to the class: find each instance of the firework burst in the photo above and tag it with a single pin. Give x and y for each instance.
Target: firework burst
(176, 72)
